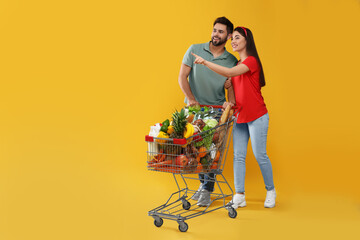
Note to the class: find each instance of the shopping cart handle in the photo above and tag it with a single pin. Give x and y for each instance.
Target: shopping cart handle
(178, 141)
(220, 106)
(213, 106)
(149, 138)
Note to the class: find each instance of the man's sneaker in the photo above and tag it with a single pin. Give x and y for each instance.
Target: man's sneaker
(270, 199)
(238, 201)
(197, 193)
(204, 199)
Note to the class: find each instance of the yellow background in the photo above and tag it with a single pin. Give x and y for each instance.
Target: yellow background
(83, 81)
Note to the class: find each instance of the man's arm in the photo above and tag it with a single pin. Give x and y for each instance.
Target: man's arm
(184, 84)
(231, 95)
(231, 98)
(230, 91)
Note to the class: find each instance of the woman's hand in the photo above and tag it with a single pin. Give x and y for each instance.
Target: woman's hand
(228, 83)
(226, 104)
(198, 59)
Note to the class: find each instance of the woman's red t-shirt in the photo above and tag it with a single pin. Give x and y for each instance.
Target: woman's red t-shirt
(248, 92)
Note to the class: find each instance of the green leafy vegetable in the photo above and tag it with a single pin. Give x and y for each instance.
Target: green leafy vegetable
(211, 122)
(207, 139)
(194, 108)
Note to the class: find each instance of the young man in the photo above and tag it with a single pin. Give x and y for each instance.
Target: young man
(206, 87)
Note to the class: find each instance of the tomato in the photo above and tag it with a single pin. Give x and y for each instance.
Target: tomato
(181, 160)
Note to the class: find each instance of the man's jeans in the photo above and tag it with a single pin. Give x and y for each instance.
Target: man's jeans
(257, 131)
(208, 181)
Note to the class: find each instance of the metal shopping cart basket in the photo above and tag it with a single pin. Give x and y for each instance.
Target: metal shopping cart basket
(185, 158)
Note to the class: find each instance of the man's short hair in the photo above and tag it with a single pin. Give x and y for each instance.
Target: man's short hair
(225, 21)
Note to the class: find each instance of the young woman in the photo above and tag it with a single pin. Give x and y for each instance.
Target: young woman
(247, 78)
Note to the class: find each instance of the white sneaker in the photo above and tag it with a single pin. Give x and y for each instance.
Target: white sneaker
(197, 193)
(238, 201)
(270, 199)
(204, 199)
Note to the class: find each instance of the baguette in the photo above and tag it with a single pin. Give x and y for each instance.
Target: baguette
(222, 130)
(225, 115)
(230, 114)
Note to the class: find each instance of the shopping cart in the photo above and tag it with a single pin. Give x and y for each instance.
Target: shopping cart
(201, 153)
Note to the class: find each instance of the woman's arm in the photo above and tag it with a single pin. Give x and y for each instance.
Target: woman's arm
(224, 71)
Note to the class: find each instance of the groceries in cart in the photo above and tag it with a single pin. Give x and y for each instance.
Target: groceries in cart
(191, 141)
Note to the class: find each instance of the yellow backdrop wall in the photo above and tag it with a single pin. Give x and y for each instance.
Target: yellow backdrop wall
(83, 81)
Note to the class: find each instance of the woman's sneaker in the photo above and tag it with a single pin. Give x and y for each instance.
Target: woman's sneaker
(238, 201)
(270, 199)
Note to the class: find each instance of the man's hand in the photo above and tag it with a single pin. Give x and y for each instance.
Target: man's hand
(192, 103)
(226, 104)
(198, 59)
(228, 83)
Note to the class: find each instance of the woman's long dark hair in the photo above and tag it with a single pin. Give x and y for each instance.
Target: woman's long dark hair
(251, 50)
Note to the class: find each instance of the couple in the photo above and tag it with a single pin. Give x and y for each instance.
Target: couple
(210, 68)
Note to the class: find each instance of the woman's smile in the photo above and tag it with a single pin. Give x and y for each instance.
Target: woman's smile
(238, 42)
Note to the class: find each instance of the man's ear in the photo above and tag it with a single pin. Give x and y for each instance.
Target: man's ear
(229, 36)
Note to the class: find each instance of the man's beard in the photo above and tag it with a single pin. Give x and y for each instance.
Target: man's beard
(219, 42)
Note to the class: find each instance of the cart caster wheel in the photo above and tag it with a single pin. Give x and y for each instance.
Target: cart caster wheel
(232, 212)
(159, 222)
(183, 227)
(186, 205)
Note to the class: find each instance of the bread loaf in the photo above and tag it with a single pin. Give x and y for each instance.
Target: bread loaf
(228, 112)
(225, 115)
(231, 113)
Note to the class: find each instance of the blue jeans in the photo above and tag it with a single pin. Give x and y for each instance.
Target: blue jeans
(208, 181)
(257, 131)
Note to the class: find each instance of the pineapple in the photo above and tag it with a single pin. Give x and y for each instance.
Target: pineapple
(179, 122)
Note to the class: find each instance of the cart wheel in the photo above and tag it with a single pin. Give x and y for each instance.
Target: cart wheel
(183, 227)
(232, 212)
(159, 223)
(186, 205)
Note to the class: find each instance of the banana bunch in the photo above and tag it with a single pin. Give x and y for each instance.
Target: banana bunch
(189, 130)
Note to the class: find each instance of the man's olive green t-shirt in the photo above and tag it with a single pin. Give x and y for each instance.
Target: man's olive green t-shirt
(206, 85)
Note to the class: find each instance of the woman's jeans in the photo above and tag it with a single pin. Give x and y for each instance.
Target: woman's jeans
(257, 131)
